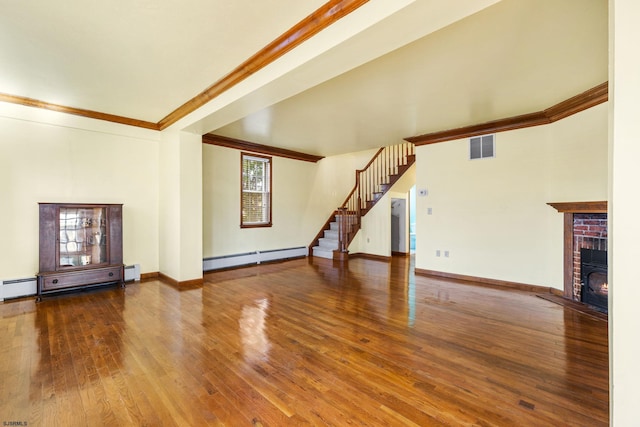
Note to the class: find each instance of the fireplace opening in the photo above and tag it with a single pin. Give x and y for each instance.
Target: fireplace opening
(594, 278)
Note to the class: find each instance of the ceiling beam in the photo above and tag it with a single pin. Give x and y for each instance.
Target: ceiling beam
(326, 15)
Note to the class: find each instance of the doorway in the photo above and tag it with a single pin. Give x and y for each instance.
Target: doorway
(399, 232)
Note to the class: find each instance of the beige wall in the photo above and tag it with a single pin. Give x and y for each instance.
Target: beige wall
(63, 159)
(221, 205)
(624, 321)
(169, 205)
(491, 214)
(304, 194)
(374, 237)
(476, 210)
(180, 201)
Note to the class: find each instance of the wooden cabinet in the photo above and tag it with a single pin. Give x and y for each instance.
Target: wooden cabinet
(80, 246)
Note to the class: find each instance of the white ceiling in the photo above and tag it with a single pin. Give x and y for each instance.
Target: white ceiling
(431, 66)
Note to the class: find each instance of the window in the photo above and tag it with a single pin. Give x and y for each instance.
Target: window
(482, 147)
(255, 202)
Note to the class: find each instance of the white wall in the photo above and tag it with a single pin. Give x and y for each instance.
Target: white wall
(52, 157)
(491, 214)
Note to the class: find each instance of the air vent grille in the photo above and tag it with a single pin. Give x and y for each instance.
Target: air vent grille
(482, 147)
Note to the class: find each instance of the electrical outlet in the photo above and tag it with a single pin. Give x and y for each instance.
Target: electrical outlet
(446, 254)
(438, 252)
(429, 211)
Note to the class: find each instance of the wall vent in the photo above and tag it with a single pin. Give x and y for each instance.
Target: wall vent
(482, 147)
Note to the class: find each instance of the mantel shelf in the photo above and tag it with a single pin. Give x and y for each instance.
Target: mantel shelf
(580, 207)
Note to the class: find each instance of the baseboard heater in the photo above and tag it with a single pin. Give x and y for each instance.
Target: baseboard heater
(18, 288)
(251, 258)
(132, 272)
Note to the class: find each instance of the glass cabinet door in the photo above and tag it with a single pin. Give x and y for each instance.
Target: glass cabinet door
(83, 236)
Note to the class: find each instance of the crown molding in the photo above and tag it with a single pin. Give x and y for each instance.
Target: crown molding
(323, 17)
(501, 125)
(578, 103)
(573, 105)
(30, 102)
(238, 144)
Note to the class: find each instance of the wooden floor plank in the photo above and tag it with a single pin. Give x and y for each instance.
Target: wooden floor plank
(304, 342)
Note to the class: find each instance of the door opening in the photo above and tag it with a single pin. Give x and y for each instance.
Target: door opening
(399, 233)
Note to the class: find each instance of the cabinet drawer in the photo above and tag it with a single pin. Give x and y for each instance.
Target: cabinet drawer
(79, 278)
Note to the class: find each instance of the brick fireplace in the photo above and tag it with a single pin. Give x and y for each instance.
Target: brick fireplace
(589, 232)
(585, 228)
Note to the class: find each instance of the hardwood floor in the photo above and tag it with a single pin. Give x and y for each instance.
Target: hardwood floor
(302, 343)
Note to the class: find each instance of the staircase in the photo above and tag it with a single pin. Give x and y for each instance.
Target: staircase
(329, 242)
(372, 182)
